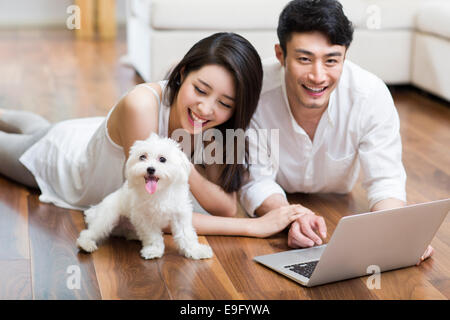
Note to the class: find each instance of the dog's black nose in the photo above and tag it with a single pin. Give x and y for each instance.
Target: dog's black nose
(151, 170)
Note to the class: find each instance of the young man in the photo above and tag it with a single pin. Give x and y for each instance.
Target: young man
(333, 119)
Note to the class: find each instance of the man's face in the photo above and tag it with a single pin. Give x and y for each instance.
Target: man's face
(313, 67)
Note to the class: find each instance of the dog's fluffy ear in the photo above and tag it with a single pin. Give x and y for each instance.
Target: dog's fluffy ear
(186, 164)
(184, 160)
(152, 136)
(136, 145)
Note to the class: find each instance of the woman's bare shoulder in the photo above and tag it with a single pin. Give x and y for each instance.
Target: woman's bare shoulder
(141, 95)
(137, 112)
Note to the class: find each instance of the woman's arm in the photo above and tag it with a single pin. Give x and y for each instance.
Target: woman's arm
(271, 223)
(135, 117)
(204, 187)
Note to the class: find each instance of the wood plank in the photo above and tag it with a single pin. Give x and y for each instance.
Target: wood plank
(76, 78)
(406, 284)
(53, 232)
(123, 274)
(430, 116)
(430, 148)
(15, 280)
(431, 182)
(437, 268)
(235, 255)
(14, 242)
(194, 279)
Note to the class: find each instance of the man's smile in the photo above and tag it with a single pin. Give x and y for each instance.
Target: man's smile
(314, 91)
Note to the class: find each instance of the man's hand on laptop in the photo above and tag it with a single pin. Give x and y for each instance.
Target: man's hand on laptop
(307, 230)
(428, 253)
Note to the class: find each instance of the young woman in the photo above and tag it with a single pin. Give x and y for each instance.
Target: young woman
(76, 163)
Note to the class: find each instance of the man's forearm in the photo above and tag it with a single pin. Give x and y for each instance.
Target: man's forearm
(390, 203)
(274, 201)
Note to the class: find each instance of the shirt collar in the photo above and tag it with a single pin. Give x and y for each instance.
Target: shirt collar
(294, 123)
(331, 109)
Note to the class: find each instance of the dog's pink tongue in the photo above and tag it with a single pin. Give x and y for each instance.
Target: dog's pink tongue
(150, 186)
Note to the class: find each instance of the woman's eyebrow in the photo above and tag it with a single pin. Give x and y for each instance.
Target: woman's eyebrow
(204, 83)
(207, 85)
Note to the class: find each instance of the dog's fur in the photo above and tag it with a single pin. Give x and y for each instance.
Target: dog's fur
(149, 213)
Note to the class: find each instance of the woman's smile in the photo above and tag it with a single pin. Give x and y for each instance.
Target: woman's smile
(196, 120)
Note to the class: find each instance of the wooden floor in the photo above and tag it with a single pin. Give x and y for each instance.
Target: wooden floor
(50, 73)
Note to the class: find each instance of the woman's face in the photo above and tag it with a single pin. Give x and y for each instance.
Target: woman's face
(206, 98)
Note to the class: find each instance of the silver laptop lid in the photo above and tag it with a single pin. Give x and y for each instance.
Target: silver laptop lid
(389, 239)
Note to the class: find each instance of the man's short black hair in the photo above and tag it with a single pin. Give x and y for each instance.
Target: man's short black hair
(325, 16)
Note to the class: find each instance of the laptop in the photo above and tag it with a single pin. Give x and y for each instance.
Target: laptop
(387, 239)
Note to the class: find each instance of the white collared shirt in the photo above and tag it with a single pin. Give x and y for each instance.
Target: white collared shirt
(359, 129)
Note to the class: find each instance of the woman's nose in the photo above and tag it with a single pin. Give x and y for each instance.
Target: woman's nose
(205, 108)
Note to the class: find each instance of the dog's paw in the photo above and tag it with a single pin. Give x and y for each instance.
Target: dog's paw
(152, 252)
(86, 244)
(199, 251)
(89, 215)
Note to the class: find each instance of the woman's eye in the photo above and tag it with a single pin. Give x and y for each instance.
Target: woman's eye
(143, 157)
(162, 159)
(199, 90)
(225, 105)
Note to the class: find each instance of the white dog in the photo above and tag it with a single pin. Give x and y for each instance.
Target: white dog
(155, 195)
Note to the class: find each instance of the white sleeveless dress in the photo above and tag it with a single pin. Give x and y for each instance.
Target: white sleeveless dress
(76, 164)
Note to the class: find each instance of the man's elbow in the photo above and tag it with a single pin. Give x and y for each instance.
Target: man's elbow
(272, 202)
(386, 204)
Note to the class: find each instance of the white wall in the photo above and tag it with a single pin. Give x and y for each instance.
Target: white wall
(23, 13)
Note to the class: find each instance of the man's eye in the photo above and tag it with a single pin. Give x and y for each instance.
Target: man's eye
(162, 159)
(143, 157)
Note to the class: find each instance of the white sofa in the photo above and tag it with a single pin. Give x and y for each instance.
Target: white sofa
(402, 41)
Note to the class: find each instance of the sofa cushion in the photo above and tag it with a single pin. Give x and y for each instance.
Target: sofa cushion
(435, 18)
(215, 14)
(263, 14)
(382, 14)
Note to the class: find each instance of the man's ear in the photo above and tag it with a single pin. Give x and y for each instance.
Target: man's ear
(279, 54)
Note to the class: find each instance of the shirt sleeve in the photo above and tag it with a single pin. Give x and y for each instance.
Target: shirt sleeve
(263, 167)
(380, 149)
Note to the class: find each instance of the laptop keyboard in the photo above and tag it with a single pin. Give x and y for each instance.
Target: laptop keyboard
(304, 269)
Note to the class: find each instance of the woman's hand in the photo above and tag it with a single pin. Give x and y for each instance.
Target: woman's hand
(276, 220)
